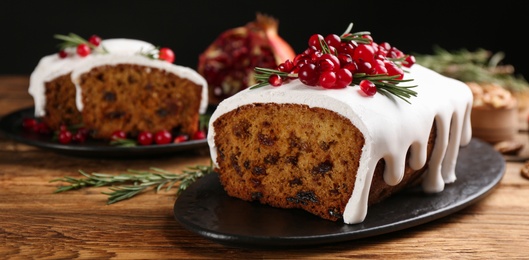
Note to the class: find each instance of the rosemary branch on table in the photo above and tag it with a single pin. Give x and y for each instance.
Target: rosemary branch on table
(134, 182)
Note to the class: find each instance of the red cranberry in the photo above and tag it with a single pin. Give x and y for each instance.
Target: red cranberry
(145, 138)
(163, 137)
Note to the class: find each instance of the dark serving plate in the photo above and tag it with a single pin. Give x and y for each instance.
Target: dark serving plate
(205, 208)
(11, 126)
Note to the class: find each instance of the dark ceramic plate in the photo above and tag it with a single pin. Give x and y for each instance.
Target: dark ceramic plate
(206, 209)
(11, 126)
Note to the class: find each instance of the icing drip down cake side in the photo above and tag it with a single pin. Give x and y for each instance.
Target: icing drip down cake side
(118, 87)
(334, 152)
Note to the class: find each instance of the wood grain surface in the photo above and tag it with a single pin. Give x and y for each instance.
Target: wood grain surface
(36, 223)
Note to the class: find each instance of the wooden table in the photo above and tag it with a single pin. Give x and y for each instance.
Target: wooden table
(36, 223)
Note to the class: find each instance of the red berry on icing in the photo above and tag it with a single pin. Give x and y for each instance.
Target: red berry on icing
(95, 40)
(63, 54)
(379, 67)
(119, 134)
(314, 41)
(163, 137)
(275, 80)
(409, 61)
(65, 137)
(199, 135)
(344, 77)
(327, 79)
(167, 55)
(308, 74)
(333, 40)
(83, 50)
(145, 138)
(364, 52)
(368, 87)
(393, 69)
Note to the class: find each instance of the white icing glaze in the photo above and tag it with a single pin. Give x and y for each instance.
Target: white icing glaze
(119, 51)
(390, 127)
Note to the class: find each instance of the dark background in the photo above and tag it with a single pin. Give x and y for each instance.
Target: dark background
(188, 27)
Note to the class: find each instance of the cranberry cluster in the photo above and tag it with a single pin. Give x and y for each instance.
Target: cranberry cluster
(160, 137)
(333, 62)
(85, 48)
(68, 135)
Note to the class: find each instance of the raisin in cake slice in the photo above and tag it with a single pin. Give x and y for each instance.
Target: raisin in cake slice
(321, 150)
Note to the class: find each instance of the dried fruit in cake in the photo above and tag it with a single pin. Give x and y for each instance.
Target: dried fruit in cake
(301, 139)
(228, 62)
(111, 85)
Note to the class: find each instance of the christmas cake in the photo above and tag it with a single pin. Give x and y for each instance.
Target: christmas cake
(114, 85)
(334, 143)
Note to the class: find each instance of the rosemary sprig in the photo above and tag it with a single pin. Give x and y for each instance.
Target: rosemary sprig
(385, 84)
(134, 182)
(123, 142)
(480, 65)
(72, 40)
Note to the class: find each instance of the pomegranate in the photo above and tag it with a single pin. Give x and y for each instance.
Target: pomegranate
(228, 63)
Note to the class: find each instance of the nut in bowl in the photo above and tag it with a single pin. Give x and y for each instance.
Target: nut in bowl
(494, 114)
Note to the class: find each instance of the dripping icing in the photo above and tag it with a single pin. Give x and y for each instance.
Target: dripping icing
(395, 125)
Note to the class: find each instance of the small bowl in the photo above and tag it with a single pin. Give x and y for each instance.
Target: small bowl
(494, 125)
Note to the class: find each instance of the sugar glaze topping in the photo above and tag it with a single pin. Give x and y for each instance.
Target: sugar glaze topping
(120, 51)
(390, 127)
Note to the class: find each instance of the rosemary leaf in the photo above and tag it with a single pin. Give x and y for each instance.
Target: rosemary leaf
(134, 182)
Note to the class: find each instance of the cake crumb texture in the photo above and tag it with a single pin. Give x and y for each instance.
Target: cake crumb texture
(60, 105)
(295, 156)
(135, 98)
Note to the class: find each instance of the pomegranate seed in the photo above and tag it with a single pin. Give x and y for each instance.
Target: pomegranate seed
(367, 36)
(83, 50)
(409, 61)
(344, 77)
(344, 59)
(65, 137)
(119, 134)
(167, 55)
(286, 66)
(327, 79)
(95, 40)
(308, 74)
(393, 69)
(29, 124)
(332, 58)
(368, 87)
(199, 135)
(379, 67)
(333, 40)
(145, 138)
(275, 80)
(325, 65)
(180, 139)
(395, 53)
(352, 67)
(385, 46)
(163, 137)
(63, 54)
(314, 41)
(364, 52)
